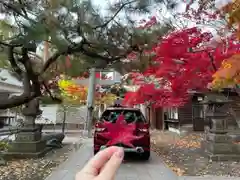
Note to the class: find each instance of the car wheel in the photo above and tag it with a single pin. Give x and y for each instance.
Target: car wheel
(145, 155)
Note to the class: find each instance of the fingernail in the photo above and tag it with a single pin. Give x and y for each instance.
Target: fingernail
(119, 153)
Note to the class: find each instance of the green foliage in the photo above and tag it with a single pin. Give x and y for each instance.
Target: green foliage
(4, 146)
(90, 35)
(62, 22)
(48, 100)
(78, 65)
(4, 63)
(6, 30)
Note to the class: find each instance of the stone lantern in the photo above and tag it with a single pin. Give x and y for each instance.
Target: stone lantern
(28, 141)
(219, 144)
(217, 111)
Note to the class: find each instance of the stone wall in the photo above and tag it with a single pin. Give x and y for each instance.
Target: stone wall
(74, 115)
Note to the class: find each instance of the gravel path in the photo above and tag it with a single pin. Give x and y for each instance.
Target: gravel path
(186, 157)
(36, 169)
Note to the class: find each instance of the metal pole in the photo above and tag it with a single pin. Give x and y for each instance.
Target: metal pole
(90, 101)
(100, 104)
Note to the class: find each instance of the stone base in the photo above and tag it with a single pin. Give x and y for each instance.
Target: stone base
(224, 157)
(28, 136)
(24, 155)
(219, 138)
(27, 147)
(221, 148)
(28, 144)
(218, 131)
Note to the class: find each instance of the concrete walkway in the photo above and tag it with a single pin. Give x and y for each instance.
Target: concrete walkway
(154, 169)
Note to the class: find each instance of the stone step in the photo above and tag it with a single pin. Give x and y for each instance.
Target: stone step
(224, 157)
(23, 155)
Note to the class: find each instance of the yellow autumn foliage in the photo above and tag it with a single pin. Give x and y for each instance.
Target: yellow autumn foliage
(228, 75)
(72, 92)
(107, 98)
(233, 13)
(77, 94)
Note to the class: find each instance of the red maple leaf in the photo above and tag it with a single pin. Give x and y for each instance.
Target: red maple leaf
(120, 132)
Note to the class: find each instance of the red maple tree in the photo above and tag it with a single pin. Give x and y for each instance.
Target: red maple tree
(183, 61)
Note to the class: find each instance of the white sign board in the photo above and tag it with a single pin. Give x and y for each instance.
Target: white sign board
(113, 77)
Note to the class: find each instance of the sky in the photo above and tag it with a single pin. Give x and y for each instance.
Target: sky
(160, 12)
(137, 17)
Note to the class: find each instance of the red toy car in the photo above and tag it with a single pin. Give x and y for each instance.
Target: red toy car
(133, 118)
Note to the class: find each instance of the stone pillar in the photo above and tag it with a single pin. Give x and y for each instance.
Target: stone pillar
(28, 142)
(218, 144)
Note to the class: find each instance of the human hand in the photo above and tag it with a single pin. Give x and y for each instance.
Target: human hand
(103, 166)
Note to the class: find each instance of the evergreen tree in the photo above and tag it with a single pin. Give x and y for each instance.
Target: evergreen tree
(76, 28)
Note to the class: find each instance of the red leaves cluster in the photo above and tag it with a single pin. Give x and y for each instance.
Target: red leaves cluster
(149, 23)
(203, 14)
(120, 132)
(183, 62)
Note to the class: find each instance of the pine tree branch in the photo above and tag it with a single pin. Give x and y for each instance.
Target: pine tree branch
(31, 84)
(22, 7)
(32, 75)
(115, 14)
(25, 97)
(12, 61)
(106, 58)
(11, 7)
(54, 57)
(10, 45)
(50, 94)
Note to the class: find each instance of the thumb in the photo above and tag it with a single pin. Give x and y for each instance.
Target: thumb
(111, 167)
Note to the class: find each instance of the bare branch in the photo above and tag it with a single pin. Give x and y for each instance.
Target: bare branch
(212, 61)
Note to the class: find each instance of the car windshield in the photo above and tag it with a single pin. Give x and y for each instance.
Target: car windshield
(130, 116)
